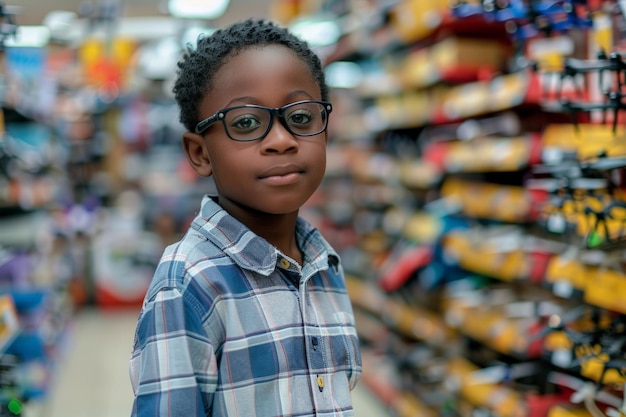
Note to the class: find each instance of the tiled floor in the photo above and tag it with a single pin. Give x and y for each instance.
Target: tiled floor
(92, 377)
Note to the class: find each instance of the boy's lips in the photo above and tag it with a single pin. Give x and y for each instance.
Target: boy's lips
(282, 174)
(281, 170)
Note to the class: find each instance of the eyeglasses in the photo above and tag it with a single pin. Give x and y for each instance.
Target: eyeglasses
(251, 122)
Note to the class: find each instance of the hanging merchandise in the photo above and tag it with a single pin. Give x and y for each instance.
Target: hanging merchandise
(25, 57)
(105, 64)
(124, 254)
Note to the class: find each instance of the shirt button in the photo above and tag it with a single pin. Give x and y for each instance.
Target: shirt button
(320, 383)
(284, 263)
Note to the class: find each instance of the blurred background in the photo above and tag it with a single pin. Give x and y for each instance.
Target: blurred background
(474, 189)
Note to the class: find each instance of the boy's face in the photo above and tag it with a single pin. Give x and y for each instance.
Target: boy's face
(278, 173)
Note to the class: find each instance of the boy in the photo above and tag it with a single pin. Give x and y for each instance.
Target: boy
(248, 314)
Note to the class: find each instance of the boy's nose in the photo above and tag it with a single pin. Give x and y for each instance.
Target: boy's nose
(279, 139)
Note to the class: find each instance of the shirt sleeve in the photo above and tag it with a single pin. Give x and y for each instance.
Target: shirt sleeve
(173, 367)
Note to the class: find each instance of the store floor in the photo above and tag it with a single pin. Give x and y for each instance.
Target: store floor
(92, 377)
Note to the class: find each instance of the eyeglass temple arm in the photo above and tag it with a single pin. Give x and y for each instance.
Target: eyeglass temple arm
(204, 124)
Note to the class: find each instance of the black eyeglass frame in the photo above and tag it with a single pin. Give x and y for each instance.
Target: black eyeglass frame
(203, 125)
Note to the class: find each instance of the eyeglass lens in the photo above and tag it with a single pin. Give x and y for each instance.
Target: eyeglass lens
(250, 123)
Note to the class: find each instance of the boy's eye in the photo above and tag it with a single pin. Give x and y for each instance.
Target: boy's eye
(300, 117)
(245, 122)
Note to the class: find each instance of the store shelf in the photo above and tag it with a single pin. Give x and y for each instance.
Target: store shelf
(462, 127)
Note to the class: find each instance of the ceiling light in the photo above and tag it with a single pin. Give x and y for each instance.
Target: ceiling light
(317, 32)
(197, 9)
(29, 36)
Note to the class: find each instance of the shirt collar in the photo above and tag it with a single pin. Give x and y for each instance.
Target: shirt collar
(252, 252)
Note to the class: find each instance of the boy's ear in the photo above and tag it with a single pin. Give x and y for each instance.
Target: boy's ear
(195, 150)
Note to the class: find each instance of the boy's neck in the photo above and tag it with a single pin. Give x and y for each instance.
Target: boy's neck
(278, 229)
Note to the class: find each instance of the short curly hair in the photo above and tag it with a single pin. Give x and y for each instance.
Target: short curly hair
(198, 65)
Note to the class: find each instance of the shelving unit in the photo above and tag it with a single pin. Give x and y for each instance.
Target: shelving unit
(46, 212)
(480, 177)
(36, 266)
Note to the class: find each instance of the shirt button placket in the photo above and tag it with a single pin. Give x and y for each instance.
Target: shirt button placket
(315, 343)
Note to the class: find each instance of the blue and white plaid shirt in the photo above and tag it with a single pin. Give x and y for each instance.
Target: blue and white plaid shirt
(232, 327)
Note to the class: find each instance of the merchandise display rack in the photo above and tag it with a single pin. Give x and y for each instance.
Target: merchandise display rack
(34, 273)
(93, 186)
(58, 201)
(482, 161)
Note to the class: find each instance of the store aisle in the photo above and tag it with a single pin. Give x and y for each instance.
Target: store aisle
(92, 377)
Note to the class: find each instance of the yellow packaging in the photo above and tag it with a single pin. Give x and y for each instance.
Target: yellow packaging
(567, 411)
(594, 367)
(606, 288)
(415, 19)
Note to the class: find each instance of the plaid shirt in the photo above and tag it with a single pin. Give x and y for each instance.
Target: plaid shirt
(232, 327)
